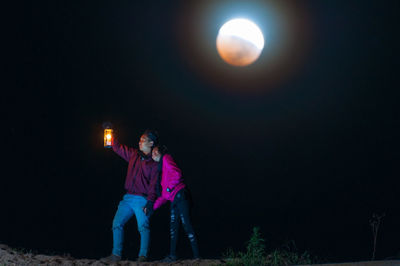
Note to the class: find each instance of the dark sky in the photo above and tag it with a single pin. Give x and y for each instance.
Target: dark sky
(303, 143)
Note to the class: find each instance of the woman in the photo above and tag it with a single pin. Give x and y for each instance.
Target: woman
(173, 190)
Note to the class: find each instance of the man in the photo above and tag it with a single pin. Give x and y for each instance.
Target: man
(140, 184)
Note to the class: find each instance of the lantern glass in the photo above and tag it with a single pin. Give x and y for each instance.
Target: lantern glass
(108, 137)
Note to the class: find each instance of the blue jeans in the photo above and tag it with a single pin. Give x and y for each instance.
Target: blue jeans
(131, 205)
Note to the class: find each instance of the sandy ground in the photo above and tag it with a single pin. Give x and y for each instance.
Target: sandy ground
(365, 263)
(11, 257)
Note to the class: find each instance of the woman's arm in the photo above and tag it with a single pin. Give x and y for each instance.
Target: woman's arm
(159, 202)
(173, 172)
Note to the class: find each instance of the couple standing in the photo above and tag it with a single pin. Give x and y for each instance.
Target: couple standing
(149, 167)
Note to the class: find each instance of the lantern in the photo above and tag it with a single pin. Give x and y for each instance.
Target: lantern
(108, 137)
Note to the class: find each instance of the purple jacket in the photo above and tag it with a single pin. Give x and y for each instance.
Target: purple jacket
(141, 177)
(171, 181)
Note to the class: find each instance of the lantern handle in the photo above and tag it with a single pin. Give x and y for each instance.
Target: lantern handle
(107, 125)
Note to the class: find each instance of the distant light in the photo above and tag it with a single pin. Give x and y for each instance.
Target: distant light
(244, 29)
(240, 42)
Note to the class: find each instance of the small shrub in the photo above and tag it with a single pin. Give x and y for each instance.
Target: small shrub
(229, 254)
(375, 222)
(285, 257)
(256, 254)
(255, 250)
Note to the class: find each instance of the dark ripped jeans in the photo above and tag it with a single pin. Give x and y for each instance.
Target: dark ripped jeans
(180, 212)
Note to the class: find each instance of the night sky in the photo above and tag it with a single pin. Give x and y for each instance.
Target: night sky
(304, 143)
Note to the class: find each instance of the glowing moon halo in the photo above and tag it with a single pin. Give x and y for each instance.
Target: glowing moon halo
(240, 42)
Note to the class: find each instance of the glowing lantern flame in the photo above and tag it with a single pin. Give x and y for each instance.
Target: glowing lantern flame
(108, 137)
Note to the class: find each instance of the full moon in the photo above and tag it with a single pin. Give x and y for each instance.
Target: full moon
(240, 42)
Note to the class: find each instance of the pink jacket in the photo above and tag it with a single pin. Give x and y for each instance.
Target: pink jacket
(171, 179)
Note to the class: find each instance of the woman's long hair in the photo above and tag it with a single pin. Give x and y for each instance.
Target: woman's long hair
(162, 149)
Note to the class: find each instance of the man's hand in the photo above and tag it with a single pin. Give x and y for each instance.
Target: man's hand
(148, 208)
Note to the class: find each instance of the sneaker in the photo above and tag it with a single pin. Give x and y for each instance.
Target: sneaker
(111, 258)
(169, 258)
(142, 259)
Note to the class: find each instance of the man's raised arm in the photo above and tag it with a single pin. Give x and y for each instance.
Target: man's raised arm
(122, 150)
